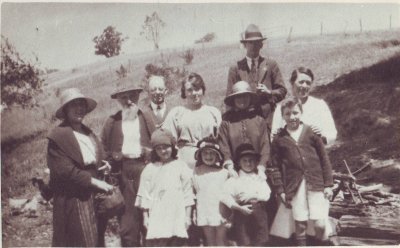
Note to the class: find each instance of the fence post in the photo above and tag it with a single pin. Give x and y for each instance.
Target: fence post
(390, 22)
(322, 27)
(360, 25)
(289, 38)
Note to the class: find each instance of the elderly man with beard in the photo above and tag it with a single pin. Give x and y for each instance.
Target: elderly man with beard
(156, 111)
(126, 141)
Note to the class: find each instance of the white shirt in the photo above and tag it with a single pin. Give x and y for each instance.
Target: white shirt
(243, 188)
(255, 61)
(87, 147)
(131, 147)
(315, 113)
(156, 111)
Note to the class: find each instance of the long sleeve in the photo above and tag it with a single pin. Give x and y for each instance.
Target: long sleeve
(277, 121)
(105, 135)
(324, 161)
(232, 79)
(187, 185)
(223, 140)
(278, 87)
(275, 171)
(264, 143)
(228, 193)
(171, 124)
(327, 123)
(143, 199)
(63, 169)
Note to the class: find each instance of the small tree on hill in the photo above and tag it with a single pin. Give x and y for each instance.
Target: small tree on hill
(109, 42)
(206, 38)
(20, 80)
(151, 29)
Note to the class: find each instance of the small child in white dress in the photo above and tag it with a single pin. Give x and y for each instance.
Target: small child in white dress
(208, 180)
(165, 194)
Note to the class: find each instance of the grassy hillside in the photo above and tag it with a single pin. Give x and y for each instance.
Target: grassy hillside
(23, 131)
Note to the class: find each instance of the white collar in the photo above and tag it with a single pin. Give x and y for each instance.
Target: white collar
(154, 106)
(256, 59)
(247, 175)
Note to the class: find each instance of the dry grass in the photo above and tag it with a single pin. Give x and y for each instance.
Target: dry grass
(328, 56)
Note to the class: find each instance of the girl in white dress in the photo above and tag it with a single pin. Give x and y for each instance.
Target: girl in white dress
(208, 180)
(165, 194)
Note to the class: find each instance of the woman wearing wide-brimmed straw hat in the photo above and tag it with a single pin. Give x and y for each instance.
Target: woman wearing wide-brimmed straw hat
(243, 124)
(74, 158)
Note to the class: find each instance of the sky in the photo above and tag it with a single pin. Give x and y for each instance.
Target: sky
(61, 34)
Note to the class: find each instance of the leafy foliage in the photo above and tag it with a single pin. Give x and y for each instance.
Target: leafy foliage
(187, 56)
(20, 80)
(173, 75)
(121, 72)
(109, 42)
(151, 29)
(206, 38)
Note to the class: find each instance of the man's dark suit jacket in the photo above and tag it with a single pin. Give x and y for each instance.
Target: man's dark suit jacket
(153, 122)
(268, 73)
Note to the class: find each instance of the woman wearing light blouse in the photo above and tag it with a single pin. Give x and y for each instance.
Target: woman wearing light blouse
(74, 158)
(194, 120)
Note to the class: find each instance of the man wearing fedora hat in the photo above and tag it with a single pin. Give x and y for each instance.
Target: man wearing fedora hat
(261, 73)
(126, 141)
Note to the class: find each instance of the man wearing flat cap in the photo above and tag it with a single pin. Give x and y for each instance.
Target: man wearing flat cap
(126, 141)
(261, 73)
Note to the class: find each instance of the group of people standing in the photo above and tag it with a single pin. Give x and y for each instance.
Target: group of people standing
(189, 175)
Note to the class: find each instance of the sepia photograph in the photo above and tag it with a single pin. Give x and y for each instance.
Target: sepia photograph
(219, 123)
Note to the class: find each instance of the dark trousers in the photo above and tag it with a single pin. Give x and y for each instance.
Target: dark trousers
(252, 230)
(131, 219)
(173, 241)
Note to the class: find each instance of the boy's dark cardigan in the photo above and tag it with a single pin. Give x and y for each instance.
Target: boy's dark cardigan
(294, 160)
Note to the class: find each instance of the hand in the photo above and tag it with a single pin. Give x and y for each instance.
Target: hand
(263, 89)
(246, 209)
(106, 166)
(328, 193)
(194, 219)
(316, 130)
(108, 188)
(243, 197)
(282, 197)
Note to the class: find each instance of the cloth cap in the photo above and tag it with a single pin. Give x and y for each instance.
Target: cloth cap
(162, 137)
(245, 149)
(69, 95)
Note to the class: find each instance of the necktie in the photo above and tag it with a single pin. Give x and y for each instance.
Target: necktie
(253, 66)
(158, 112)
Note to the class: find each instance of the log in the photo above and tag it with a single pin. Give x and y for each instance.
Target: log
(372, 188)
(353, 241)
(369, 227)
(338, 209)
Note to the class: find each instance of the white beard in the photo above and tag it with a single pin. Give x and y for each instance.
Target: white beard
(130, 113)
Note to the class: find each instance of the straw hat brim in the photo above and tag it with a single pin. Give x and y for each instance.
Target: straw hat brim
(198, 152)
(229, 99)
(91, 105)
(115, 95)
